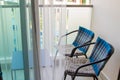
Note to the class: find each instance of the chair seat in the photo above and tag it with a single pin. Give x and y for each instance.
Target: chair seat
(73, 63)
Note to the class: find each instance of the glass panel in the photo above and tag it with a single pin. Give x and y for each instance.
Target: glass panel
(10, 44)
(11, 53)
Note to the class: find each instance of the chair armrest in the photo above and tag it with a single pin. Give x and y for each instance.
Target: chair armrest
(84, 65)
(66, 35)
(85, 44)
(71, 32)
(60, 41)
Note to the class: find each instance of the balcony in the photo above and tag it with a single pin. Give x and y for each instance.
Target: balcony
(55, 20)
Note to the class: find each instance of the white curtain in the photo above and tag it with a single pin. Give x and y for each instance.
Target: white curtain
(56, 20)
(52, 25)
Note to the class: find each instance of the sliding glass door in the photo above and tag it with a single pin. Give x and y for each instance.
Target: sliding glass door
(10, 36)
(16, 46)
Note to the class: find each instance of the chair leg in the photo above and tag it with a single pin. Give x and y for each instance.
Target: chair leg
(73, 77)
(76, 56)
(95, 78)
(12, 74)
(86, 56)
(65, 75)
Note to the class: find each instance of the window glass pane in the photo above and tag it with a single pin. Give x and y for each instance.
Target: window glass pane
(11, 53)
(10, 43)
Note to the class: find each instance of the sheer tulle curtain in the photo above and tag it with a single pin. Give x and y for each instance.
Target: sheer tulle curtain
(52, 25)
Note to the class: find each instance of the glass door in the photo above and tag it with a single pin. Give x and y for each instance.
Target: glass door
(16, 46)
(10, 44)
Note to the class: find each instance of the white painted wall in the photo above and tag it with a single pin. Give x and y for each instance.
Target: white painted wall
(77, 17)
(106, 24)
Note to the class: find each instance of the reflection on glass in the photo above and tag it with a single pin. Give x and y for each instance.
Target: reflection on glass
(11, 55)
(10, 41)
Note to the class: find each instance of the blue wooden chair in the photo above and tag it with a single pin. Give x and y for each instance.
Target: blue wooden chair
(92, 66)
(83, 36)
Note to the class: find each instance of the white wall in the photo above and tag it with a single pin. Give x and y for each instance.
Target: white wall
(78, 17)
(106, 24)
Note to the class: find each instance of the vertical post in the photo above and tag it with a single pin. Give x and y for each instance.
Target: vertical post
(24, 38)
(36, 38)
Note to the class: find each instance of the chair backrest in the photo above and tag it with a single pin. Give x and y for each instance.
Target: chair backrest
(84, 35)
(101, 50)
